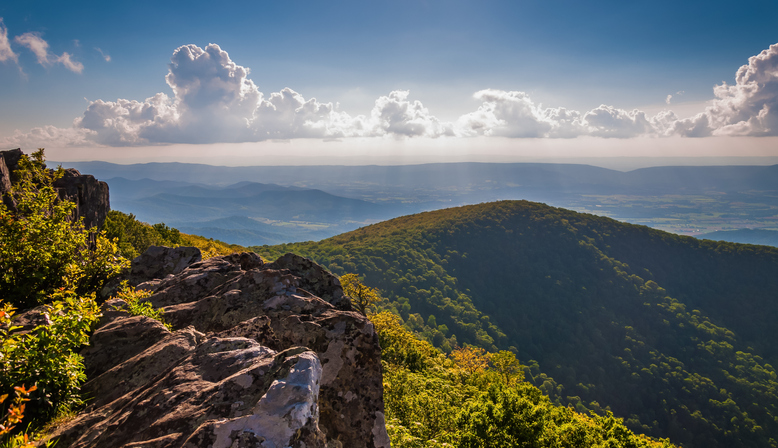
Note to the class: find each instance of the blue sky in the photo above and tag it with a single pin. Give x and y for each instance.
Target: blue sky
(490, 77)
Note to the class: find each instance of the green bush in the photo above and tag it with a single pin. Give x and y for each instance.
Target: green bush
(42, 248)
(47, 258)
(134, 237)
(45, 357)
(136, 306)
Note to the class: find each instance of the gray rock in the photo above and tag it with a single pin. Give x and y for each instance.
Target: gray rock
(8, 161)
(158, 262)
(89, 194)
(260, 361)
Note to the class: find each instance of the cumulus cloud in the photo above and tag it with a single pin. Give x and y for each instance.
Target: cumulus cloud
(40, 48)
(749, 107)
(126, 122)
(506, 114)
(516, 115)
(608, 121)
(213, 100)
(395, 115)
(287, 114)
(6, 52)
(664, 122)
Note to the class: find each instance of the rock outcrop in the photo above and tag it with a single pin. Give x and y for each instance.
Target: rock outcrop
(8, 162)
(89, 194)
(264, 355)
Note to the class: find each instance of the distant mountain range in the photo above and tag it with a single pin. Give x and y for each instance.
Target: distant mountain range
(246, 212)
(688, 200)
(556, 177)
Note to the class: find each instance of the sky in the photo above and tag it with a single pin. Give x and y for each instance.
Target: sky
(352, 82)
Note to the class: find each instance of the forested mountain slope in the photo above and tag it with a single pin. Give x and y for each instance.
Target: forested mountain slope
(673, 333)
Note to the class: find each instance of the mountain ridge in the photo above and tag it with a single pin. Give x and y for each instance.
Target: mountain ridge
(671, 332)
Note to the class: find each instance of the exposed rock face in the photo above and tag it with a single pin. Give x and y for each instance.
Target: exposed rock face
(89, 194)
(259, 360)
(8, 161)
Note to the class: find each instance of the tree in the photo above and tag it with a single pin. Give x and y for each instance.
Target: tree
(46, 257)
(134, 237)
(471, 359)
(42, 248)
(362, 297)
(506, 364)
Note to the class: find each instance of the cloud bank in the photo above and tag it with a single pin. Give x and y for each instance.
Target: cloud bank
(214, 100)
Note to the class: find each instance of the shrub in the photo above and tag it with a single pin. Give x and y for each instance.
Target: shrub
(45, 356)
(46, 257)
(136, 306)
(42, 248)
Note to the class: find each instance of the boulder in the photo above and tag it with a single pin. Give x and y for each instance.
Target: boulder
(264, 355)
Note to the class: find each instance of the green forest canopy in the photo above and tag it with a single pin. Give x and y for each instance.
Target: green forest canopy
(673, 333)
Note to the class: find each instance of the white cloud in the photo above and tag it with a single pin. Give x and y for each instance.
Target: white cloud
(287, 114)
(514, 114)
(126, 122)
(747, 108)
(395, 115)
(105, 55)
(566, 123)
(70, 64)
(663, 123)
(35, 43)
(6, 52)
(40, 48)
(608, 121)
(214, 101)
(505, 114)
(47, 136)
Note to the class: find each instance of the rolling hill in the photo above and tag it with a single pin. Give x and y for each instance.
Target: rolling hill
(672, 333)
(247, 213)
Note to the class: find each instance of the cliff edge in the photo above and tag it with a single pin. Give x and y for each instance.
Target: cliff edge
(264, 355)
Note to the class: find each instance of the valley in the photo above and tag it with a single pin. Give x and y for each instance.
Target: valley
(606, 310)
(234, 203)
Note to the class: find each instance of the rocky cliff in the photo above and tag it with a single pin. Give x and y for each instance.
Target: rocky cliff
(89, 194)
(263, 355)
